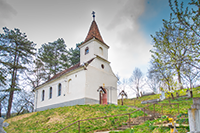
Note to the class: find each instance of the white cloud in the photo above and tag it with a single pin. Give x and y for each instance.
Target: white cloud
(131, 46)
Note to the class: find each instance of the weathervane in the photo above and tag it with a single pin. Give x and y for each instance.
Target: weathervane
(93, 15)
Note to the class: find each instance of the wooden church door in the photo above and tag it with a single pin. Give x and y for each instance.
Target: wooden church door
(102, 95)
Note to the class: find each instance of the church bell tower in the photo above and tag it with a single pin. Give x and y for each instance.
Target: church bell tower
(93, 45)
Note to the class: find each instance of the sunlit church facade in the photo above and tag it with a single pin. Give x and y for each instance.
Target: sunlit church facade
(88, 82)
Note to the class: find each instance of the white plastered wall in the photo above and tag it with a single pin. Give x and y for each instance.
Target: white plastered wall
(94, 49)
(96, 77)
(76, 90)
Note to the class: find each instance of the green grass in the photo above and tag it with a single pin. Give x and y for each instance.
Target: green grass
(149, 126)
(55, 119)
(184, 103)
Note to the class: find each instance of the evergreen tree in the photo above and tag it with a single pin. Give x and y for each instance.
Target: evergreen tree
(3, 70)
(18, 52)
(74, 55)
(53, 55)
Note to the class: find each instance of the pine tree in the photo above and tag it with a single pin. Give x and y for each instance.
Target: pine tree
(18, 52)
(74, 55)
(52, 55)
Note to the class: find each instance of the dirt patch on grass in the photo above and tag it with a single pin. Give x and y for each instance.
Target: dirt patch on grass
(16, 118)
(54, 118)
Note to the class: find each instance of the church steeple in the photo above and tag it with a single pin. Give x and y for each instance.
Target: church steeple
(94, 31)
(93, 45)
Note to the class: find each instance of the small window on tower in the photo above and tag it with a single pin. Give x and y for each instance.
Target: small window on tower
(86, 50)
(101, 50)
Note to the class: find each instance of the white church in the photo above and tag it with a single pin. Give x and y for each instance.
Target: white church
(91, 81)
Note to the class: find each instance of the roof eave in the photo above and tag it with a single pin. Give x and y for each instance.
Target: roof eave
(57, 78)
(94, 39)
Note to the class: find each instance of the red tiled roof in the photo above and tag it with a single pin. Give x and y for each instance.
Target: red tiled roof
(94, 32)
(67, 71)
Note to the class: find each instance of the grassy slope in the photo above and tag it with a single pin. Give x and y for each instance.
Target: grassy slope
(149, 126)
(55, 119)
(184, 103)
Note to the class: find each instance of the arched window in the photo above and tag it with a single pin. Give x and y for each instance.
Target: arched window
(50, 92)
(69, 85)
(43, 95)
(101, 50)
(59, 89)
(86, 50)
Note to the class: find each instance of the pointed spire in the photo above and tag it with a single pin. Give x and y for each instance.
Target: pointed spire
(94, 31)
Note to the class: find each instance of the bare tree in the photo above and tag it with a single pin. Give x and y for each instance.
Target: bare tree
(152, 80)
(36, 74)
(137, 81)
(24, 102)
(190, 74)
(164, 74)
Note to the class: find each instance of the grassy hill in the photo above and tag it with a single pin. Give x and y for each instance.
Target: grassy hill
(184, 102)
(54, 119)
(168, 110)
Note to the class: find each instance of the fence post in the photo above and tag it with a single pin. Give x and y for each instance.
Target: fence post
(129, 121)
(79, 126)
(154, 110)
(144, 113)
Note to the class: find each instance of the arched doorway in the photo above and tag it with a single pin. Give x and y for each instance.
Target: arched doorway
(102, 95)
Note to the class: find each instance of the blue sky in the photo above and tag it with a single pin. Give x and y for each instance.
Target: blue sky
(125, 25)
(155, 11)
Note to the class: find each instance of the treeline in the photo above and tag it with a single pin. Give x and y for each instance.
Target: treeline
(23, 67)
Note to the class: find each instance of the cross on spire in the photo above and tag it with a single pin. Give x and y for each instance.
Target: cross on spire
(93, 15)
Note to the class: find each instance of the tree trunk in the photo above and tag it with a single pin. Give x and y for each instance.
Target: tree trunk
(179, 80)
(191, 94)
(172, 96)
(9, 104)
(141, 94)
(177, 94)
(179, 77)
(13, 84)
(122, 101)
